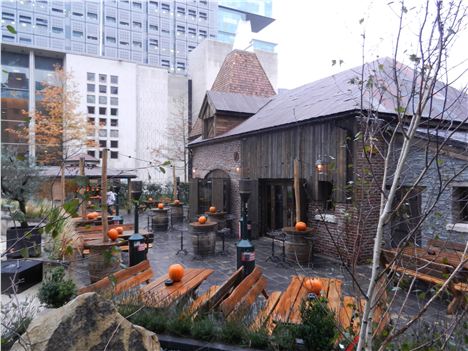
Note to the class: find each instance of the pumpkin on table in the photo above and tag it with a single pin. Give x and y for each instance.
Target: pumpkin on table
(113, 234)
(301, 226)
(176, 272)
(119, 230)
(92, 215)
(202, 220)
(313, 285)
(160, 205)
(212, 209)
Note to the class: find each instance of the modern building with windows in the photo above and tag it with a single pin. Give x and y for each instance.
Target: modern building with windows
(158, 33)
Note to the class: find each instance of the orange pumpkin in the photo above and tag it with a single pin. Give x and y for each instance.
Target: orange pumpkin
(119, 230)
(113, 234)
(313, 285)
(301, 226)
(202, 220)
(176, 202)
(176, 272)
(93, 215)
(160, 205)
(212, 209)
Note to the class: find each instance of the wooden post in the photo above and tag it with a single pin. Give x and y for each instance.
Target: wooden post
(105, 238)
(82, 190)
(174, 181)
(297, 193)
(62, 181)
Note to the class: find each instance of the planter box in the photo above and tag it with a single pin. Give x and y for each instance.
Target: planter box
(25, 273)
(16, 241)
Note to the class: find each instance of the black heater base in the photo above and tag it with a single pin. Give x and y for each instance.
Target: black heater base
(24, 273)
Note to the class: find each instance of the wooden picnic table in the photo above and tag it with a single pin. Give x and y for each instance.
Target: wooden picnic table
(98, 235)
(157, 294)
(436, 255)
(81, 222)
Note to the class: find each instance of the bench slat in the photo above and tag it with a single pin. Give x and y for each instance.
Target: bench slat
(248, 300)
(201, 300)
(263, 318)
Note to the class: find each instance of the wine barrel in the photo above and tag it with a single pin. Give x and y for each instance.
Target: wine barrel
(160, 220)
(203, 238)
(104, 259)
(297, 247)
(177, 214)
(217, 217)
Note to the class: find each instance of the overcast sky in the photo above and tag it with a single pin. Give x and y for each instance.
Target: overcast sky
(312, 33)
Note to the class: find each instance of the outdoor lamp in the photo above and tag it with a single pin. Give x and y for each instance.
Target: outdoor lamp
(245, 249)
(137, 189)
(321, 166)
(136, 242)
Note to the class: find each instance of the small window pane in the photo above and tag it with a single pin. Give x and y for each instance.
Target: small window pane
(114, 90)
(114, 154)
(103, 89)
(114, 79)
(91, 88)
(91, 99)
(102, 122)
(114, 123)
(114, 144)
(91, 76)
(103, 133)
(102, 110)
(114, 133)
(103, 100)
(114, 111)
(102, 143)
(91, 121)
(103, 78)
(114, 101)
(92, 153)
(91, 110)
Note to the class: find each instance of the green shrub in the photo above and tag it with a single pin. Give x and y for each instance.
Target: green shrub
(284, 337)
(204, 329)
(258, 339)
(179, 325)
(318, 328)
(56, 291)
(233, 332)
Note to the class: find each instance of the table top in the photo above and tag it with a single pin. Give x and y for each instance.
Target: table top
(125, 235)
(82, 220)
(437, 255)
(157, 294)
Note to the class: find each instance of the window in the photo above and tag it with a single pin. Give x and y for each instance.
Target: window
(114, 79)
(41, 22)
(153, 27)
(166, 7)
(137, 5)
(114, 154)
(202, 33)
(92, 15)
(203, 15)
(114, 101)
(7, 16)
(192, 31)
(192, 13)
(137, 44)
(91, 37)
(124, 23)
(57, 30)
(24, 19)
(114, 123)
(460, 204)
(111, 40)
(113, 111)
(91, 110)
(92, 153)
(191, 48)
(77, 34)
(102, 122)
(136, 24)
(153, 44)
(114, 144)
(102, 111)
(103, 133)
(110, 19)
(180, 66)
(91, 77)
(91, 99)
(114, 90)
(114, 133)
(77, 14)
(103, 78)
(325, 191)
(180, 30)
(103, 89)
(54, 9)
(91, 88)
(180, 11)
(102, 143)
(25, 40)
(124, 43)
(102, 100)
(91, 121)
(165, 63)
(100, 154)
(153, 4)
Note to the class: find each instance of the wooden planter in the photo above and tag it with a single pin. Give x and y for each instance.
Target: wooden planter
(160, 219)
(217, 217)
(203, 238)
(297, 247)
(104, 259)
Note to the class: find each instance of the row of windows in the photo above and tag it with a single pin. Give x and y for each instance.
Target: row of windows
(91, 99)
(103, 111)
(91, 77)
(124, 22)
(113, 154)
(91, 88)
(103, 122)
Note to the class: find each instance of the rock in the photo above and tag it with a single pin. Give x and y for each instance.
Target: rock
(88, 323)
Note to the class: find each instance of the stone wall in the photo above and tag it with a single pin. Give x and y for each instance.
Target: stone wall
(221, 156)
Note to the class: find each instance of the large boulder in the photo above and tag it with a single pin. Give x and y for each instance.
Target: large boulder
(88, 323)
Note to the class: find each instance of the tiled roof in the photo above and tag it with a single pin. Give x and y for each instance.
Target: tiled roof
(242, 73)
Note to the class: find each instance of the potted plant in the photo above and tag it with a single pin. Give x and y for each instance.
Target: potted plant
(20, 180)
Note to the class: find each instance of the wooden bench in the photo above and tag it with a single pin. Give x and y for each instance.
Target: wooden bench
(122, 280)
(98, 228)
(429, 271)
(446, 245)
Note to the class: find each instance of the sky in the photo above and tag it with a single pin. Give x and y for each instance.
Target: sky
(312, 33)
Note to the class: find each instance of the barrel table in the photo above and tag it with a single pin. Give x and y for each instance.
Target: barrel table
(159, 219)
(297, 247)
(104, 259)
(217, 217)
(203, 238)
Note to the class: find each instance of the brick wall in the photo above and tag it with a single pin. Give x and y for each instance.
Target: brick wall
(220, 156)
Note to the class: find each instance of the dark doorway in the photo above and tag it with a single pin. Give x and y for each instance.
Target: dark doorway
(406, 218)
(276, 200)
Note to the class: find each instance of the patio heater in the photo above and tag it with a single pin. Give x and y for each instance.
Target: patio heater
(116, 189)
(245, 249)
(136, 242)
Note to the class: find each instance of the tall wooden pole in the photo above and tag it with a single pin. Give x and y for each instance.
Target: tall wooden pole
(297, 193)
(174, 181)
(105, 238)
(82, 190)
(62, 181)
